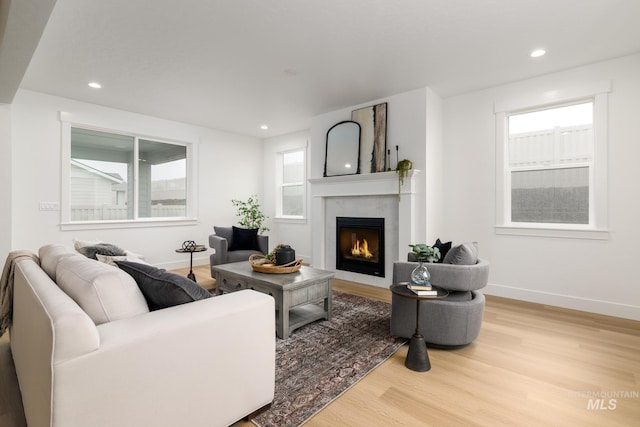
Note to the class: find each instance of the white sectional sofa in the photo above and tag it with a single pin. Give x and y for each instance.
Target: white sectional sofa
(205, 363)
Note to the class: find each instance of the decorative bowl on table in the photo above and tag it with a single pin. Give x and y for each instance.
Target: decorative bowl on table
(261, 264)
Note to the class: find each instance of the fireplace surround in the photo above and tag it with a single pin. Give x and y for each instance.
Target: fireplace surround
(361, 195)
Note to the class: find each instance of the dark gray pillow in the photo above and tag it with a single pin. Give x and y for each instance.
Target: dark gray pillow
(443, 248)
(464, 254)
(102, 249)
(162, 288)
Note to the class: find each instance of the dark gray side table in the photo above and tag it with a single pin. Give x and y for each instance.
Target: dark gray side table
(198, 248)
(417, 356)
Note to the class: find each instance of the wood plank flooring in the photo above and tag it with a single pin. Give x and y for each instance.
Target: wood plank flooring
(532, 365)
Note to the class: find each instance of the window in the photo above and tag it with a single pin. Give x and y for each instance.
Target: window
(550, 159)
(116, 177)
(292, 184)
(549, 183)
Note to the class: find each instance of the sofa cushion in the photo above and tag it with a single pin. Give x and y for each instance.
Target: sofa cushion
(162, 288)
(50, 255)
(105, 293)
(102, 249)
(244, 239)
(443, 248)
(463, 254)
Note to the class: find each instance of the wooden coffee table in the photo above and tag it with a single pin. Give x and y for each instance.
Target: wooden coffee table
(296, 294)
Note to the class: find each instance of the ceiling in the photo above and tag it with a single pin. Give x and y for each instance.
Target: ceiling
(235, 65)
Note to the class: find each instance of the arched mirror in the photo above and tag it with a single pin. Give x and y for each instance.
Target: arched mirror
(343, 149)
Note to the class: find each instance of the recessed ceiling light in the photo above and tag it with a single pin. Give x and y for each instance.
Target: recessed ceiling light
(95, 85)
(537, 53)
(264, 127)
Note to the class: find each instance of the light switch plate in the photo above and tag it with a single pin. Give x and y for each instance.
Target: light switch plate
(49, 206)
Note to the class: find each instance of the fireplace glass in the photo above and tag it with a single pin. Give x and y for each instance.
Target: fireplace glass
(360, 245)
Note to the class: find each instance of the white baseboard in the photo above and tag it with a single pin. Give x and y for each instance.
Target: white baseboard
(172, 265)
(608, 308)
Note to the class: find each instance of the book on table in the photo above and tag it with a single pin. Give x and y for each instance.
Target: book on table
(422, 290)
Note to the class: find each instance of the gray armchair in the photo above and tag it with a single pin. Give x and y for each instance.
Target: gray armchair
(450, 322)
(222, 242)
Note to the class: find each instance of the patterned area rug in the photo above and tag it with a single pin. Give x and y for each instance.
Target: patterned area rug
(320, 361)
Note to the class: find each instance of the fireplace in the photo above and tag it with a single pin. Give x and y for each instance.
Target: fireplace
(360, 245)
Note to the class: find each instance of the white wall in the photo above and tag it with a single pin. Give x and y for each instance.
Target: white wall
(591, 275)
(5, 179)
(295, 233)
(434, 173)
(229, 167)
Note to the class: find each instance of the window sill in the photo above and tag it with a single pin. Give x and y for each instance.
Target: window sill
(105, 225)
(290, 220)
(561, 232)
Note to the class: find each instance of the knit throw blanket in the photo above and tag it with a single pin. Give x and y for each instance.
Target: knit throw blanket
(6, 286)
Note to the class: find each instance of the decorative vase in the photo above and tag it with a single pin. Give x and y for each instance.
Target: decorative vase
(420, 275)
(284, 254)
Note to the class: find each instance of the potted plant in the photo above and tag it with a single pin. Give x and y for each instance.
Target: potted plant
(402, 169)
(425, 253)
(250, 214)
(420, 276)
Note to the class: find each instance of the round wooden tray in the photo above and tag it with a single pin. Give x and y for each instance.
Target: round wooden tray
(260, 264)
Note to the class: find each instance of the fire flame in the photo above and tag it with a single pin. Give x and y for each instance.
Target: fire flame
(361, 250)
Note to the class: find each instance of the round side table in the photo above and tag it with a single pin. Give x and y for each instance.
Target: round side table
(417, 356)
(198, 248)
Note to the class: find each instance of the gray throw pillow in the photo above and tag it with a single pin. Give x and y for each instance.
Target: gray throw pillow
(464, 254)
(102, 249)
(162, 288)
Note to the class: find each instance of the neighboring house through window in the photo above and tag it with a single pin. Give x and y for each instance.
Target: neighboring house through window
(548, 182)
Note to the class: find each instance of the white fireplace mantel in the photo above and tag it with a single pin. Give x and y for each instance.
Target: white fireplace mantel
(373, 184)
(369, 184)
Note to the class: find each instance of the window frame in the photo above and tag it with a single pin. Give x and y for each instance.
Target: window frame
(68, 121)
(598, 198)
(280, 185)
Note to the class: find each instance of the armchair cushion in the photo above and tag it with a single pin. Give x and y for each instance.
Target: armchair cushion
(244, 239)
(161, 288)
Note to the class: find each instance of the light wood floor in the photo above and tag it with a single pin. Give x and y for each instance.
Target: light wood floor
(532, 365)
